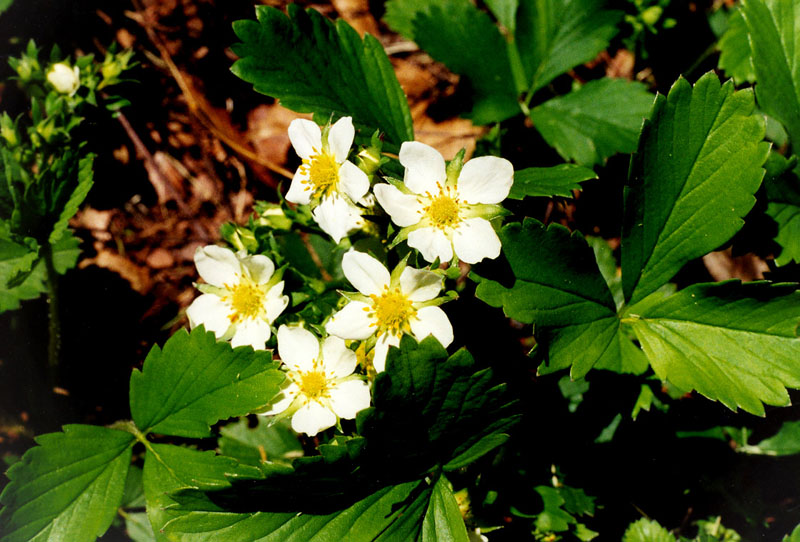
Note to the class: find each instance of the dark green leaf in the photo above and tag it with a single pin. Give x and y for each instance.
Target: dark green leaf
(443, 521)
(133, 495)
(607, 264)
(692, 180)
(73, 198)
(314, 66)
(547, 182)
(646, 530)
(783, 194)
(505, 11)
(735, 58)
(274, 442)
(68, 488)
(553, 519)
(607, 434)
(598, 120)
(196, 381)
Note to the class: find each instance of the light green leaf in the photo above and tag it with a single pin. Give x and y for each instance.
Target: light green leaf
(598, 120)
(645, 401)
(794, 537)
(692, 180)
(607, 434)
(4, 5)
(783, 195)
(775, 49)
(785, 442)
(443, 521)
(138, 527)
(646, 530)
(554, 36)
(68, 488)
(505, 11)
(731, 342)
(314, 66)
(547, 182)
(71, 204)
(735, 58)
(276, 442)
(553, 519)
(573, 391)
(196, 381)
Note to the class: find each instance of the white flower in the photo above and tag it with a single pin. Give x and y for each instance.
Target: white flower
(390, 305)
(322, 387)
(242, 298)
(327, 180)
(65, 79)
(443, 212)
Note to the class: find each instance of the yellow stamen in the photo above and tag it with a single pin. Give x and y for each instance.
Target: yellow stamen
(443, 210)
(393, 312)
(323, 174)
(246, 298)
(313, 384)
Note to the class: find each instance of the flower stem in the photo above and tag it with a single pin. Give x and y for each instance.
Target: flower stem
(53, 313)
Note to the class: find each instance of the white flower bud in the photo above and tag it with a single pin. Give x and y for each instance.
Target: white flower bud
(65, 79)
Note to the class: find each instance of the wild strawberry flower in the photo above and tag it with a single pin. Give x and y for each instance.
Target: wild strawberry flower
(65, 79)
(446, 209)
(321, 385)
(326, 180)
(241, 299)
(389, 305)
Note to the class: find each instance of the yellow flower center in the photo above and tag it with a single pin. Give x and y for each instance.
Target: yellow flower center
(313, 384)
(323, 174)
(247, 299)
(393, 312)
(443, 209)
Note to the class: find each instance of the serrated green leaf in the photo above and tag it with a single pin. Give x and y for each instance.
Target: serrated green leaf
(68, 488)
(276, 442)
(547, 182)
(314, 66)
(731, 342)
(554, 36)
(785, 442)
(75, 197)
(692, 180)
(462, 37)
(646, 530)
(735, 58)
(443, 521)
(196, 381)
(607, 264)
(553, 519)
(774, 45)
(598, 120)
(783, 195)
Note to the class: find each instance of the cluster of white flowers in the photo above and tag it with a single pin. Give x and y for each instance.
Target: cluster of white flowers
(444, 212)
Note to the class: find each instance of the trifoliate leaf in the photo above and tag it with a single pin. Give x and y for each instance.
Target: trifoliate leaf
(459, 35)
(646, 530)
(735, 58)
(731, 342)
(443, 521)
(598, 120)
(774, 44)
(272, 442)
(554, 36)
(692, 180)
(547, 182)
(785, 442)
(196, 381)
(68, 488)
(315, 66)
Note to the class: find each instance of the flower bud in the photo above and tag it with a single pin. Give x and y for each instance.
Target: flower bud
(8, 130)
(65, 79)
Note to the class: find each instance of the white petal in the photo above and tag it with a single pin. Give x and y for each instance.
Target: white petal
(474, 240)
(353, 181)
(432, 321)
(424, 167)
(352, 322)
(251, 331)
(312, 418)
(276, 302)
(299, 191)
(282, 401)
(419, 284)
(486, 179)
(368, 275)
(381, 349)
(340, 138)
(297, 347)
(432, 243)
(210, 311)
(338, 361)
(348, 398)
(306, 137)
(259, 267)
(337, 217)
(405, 209)
(217, 266)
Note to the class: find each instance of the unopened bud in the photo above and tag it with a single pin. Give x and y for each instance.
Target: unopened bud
(65, 79)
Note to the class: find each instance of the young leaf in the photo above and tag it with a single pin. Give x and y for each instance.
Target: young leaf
(731, 342)
(547, 182)
(315, 66)
(68, 488)
(554, 36)
(735, 58)
(774, 46)
(459, 35)
(692, 180)
(598, 120)
(196, 381)
(443, 521)
(647, 530)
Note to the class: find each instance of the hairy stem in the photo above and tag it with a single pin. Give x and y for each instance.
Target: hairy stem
(54, 318)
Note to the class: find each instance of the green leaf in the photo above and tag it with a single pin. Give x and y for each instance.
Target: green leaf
(607, 434)
(607, 264)
(794, 537)
(547, 182)
(68, 488)
(735, 58)
(196, 381)
(785, 442)
(554, 36)
(553, 519)
(443, 521)
(692, 180)
(646, 530)
(775, 44)
(783, 195)
(314, 66)
(462, 37)
(731, 342)
(138, 527)
(4, 5)
(598, 120)
(505, 11)
(276, 442)
(76, 196)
